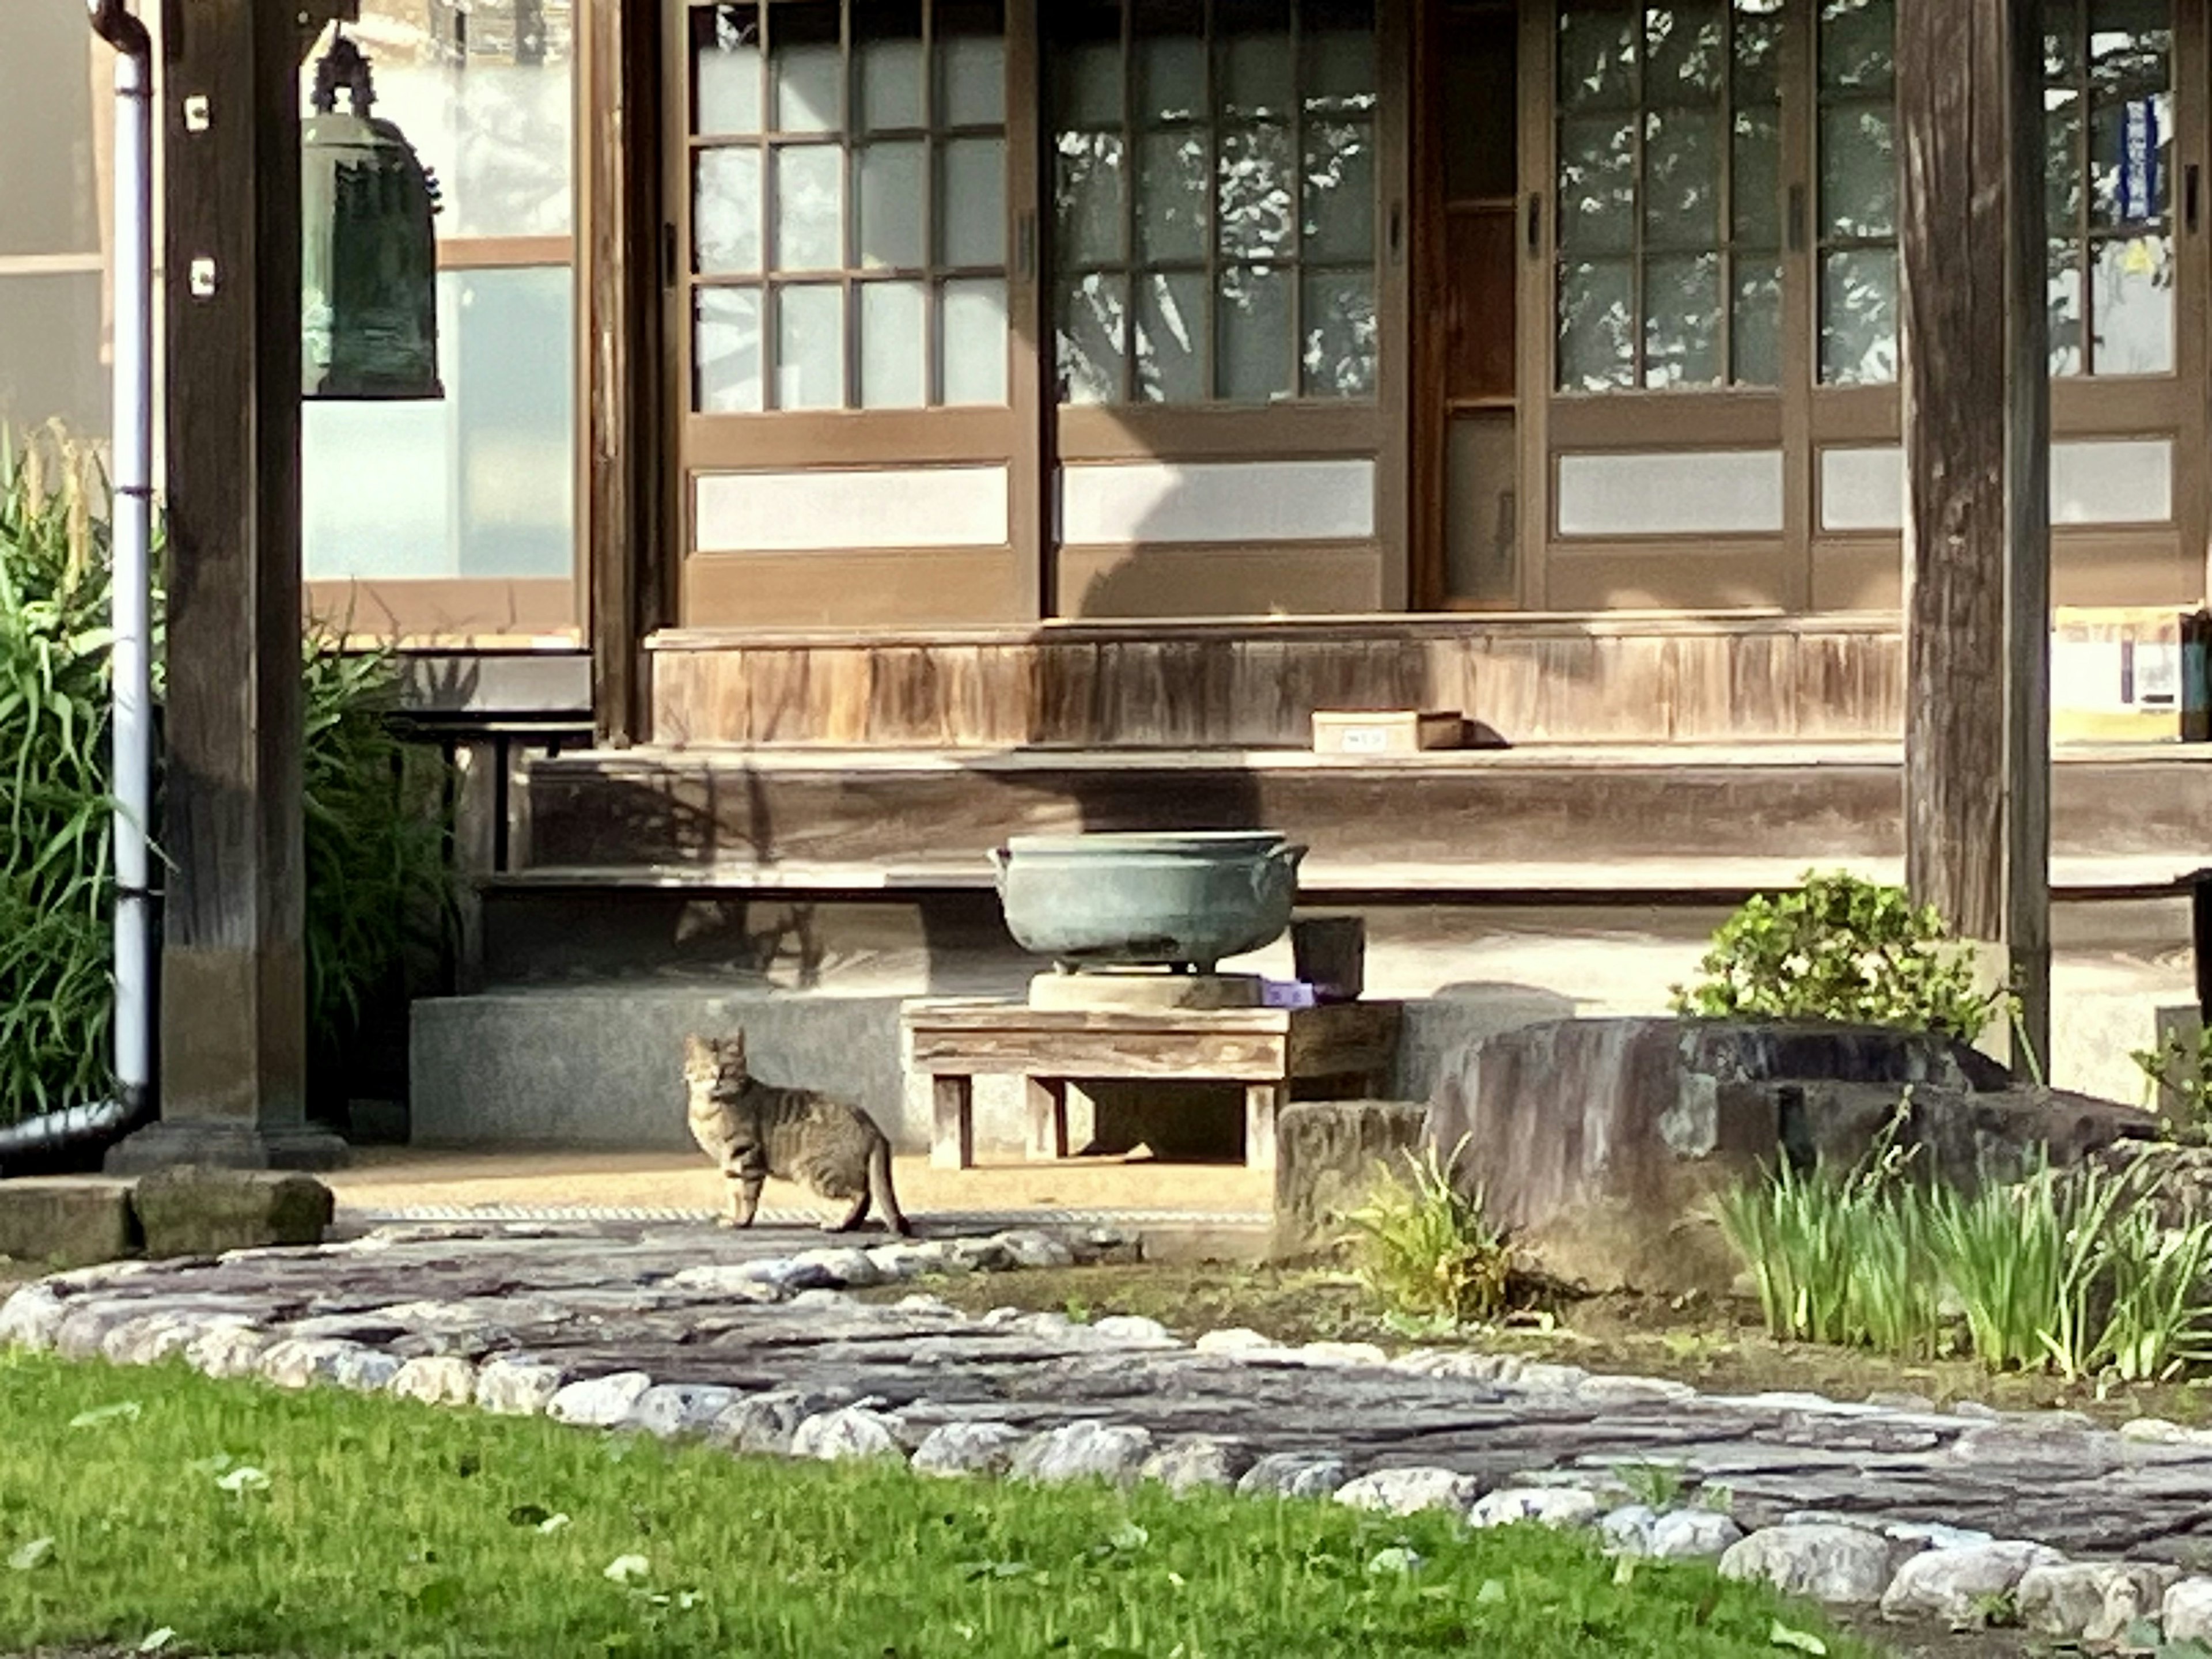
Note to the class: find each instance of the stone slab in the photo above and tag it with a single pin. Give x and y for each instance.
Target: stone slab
(188, 1210)
(68, 1221)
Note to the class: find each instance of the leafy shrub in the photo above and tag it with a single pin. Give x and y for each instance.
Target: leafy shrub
(1424, 1250)
(2180, 1070)
(375, 868)
(1842, 949)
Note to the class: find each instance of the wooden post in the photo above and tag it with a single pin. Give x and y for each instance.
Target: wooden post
(1977, 445)
(234, 1016)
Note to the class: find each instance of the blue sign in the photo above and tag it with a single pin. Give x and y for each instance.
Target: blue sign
(2138, 202)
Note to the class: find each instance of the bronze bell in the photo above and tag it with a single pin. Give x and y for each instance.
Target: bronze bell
(369, 305)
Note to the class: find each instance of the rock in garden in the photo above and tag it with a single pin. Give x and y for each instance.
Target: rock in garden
(226, 1351)
(1234, 1342)
(1627, 1530)
(1132, 1331)
(1198, 1462)
(2188, 1611)
(850, 1267)
(1827, 1563)
(191, 1211)
(969, 1449)
(1402, 1492)
(1336, 1356)
(438, 1380)
(2091, 1601)
(848, 1431)
(300, 1362)
(980, 1255)
(85, 1324)
(1551, 1506)
(1687, 1535)
(517, 1388)
(1085, 1451)
(669, 1411)
(764, 1424)
(1294, 1474)
(1613, 1393)
(599, 1402)
(905, 1261)
(1543, 1376)
(1027, 1248)
(1953, 1584)
(737, 1281)
(30, 1318)
(364, 1370)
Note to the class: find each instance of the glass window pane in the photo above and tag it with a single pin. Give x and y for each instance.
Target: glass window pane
(810, 208)
(810, 347)
(1253, 357)
(972, 202)
(1859, 39)
(1256, 192)
(1253, 58)
(1093, 332)
(476, 484)
(1171, 197)
(1089, 198)
(726, 350)
(2063, 171)
(1342, 343)
(1171, 325)
(1681, 178)
(1597, 57)
(725, 70)
(1087, 69)
(2130, 164)
(1858, 172)
(972, 345)
(894, 324)
(56, 93)
(892, 196)
(1755, 188)
(2067, 316)
(1755, 325)
(1597, 185)
(1597, 325)
(806, 66)
(726, 211)
(1171, 65)
(1339, 77)
(2131, 47)
(2131, 306)
(50, 367)
(887, 61)
(1685, 53)
(1339, 175)
(1756, 75)
(1682, 320)
(971, 63)
(1858, 317)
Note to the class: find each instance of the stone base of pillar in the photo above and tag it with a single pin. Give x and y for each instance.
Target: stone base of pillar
(222, 1144)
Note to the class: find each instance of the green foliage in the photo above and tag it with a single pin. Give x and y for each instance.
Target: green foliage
(375, 862)
(1424, 1250)
(2180, 1070)
(2068, 1271)
(249, 1520)
(1839, 948)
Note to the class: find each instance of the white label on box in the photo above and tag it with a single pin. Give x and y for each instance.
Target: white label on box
(1364, 740)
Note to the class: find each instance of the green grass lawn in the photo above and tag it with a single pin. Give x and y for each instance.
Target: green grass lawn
(243, 1520)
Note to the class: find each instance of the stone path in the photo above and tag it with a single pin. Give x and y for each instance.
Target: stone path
(743, 1336)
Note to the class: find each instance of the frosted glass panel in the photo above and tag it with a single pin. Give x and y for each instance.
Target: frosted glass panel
(1718, 492)
(727, 347)
(1482, 528)
(807, 68)
(1682, 320)
(1597, 326)
(726, 211)
(1170, 79)
(49, 366)
(972, 349)
(725, 70)
(894, 324)
(1862, 488)
(1858, 317)
(2133, 284)
(1172, 309)
(888, 62)
(892, 201)
(1254, 337)
(1089, 198)
(972, 202)
(1597, 184)
(1088, 92)
(971, 80)
(478, 485)
(1256, 69)
(1858, 173)
(1343, 343)
(802, 512)
(2126, 482)
(1218, 502)
(1340, 187)
(1681, 178)
(810, 347)
(1093, 331)
(1257, 190)
(1171, 197)
(810, 208)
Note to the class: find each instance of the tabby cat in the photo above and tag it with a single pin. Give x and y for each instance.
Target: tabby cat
(754, 1130)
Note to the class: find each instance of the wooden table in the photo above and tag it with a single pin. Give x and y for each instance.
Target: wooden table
(1353, 1045)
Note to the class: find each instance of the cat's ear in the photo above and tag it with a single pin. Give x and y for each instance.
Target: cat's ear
(696, 1050)
(733, 1047)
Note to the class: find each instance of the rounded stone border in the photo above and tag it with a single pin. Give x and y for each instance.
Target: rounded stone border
(1909, 1570)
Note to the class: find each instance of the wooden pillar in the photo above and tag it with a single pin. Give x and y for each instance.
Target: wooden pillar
(1977, 445)
(233, 1015)
(625, 482)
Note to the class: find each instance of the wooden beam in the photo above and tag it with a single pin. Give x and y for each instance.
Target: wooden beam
(626, 483)
(233, 1016)
(1977, 444)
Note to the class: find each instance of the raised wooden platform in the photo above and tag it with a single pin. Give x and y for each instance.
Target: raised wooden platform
(1663, 820)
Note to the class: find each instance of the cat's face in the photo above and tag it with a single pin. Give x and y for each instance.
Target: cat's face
(711, 1060)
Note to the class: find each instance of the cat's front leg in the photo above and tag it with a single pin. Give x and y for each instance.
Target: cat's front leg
(747, 1176)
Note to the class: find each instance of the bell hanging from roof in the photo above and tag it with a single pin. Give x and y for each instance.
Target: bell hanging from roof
(369, 302)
